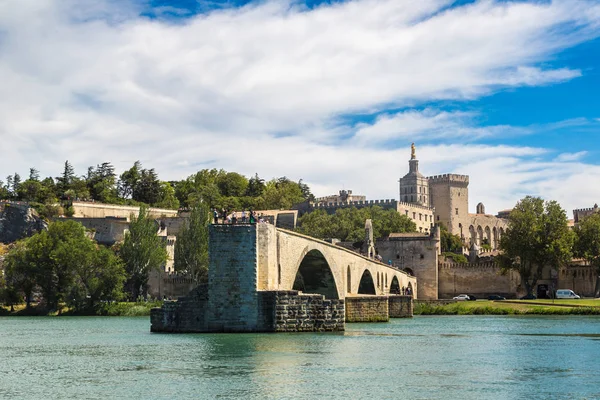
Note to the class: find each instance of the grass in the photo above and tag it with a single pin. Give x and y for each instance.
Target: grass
(523, 307)
(117, 309)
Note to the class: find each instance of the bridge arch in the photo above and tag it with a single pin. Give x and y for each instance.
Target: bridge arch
(395, 286)
(314, 275)
(366, 285)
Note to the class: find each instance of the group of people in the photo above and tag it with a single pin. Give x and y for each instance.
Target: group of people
(225, 217)
(406, 291)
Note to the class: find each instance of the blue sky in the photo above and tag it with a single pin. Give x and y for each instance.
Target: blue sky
(331, 92)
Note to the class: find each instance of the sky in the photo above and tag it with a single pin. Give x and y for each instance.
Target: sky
(330, 92)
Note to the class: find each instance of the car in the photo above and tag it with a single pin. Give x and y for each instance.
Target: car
(528, 297)
(566, 294)
(496, 297)
(471, 297)
(461, 297)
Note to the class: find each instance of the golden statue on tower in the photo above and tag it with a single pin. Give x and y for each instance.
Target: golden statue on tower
(413, 154)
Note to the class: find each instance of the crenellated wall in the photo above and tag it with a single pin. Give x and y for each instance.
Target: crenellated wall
(479, 279)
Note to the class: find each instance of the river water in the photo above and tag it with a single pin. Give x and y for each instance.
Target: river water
(450, 357)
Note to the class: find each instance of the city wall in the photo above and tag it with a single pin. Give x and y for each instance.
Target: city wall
(479, 279)
(100, 210)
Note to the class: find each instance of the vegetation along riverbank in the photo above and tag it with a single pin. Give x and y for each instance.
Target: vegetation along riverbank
(112, 309)
(510, 307)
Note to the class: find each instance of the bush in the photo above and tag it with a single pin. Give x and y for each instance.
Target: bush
(457, 258)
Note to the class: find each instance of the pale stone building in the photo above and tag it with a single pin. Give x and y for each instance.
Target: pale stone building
(446, 197)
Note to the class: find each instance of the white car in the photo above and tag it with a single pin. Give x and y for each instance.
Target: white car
(566, 294)
(461, 297)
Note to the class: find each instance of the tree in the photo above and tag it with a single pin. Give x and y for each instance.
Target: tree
(191, 247)
(449, 243)
(256, 186)
(128, 180)
(34, 174)
(281, 193)
(64, 181)
(16, 183)
(142, 251)
(348, 224)
(101, 183)
(232, 184)
(167, 197)
(537, 237)
(101, 277)
(587, 244)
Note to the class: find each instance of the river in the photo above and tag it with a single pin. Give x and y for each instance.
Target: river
(449, 357)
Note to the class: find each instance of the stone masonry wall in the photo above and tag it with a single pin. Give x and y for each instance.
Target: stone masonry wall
(288, 311)
(400, 306)
(232, 278)
(479, 279)
(188, 314)
(367, 309)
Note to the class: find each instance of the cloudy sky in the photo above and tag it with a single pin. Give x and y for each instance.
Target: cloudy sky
(331, 92)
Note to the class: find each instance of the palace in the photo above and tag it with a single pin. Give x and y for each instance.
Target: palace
(440, 199)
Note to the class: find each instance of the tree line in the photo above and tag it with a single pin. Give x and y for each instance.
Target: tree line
(63, 265)
(216, 188)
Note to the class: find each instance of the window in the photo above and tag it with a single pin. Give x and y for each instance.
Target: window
(422, 256)
(420, 217)
(456, 211)
(406, 211)
(414, 215)
(438, 217)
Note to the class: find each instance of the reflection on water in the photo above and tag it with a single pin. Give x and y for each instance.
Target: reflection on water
(466, 357)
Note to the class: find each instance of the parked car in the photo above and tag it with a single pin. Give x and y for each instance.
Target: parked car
(471, 297)
(496, 297)
(528, 297)
(566, 294)
(461, 297)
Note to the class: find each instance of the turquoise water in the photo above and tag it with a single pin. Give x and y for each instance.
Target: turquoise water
(463, 357)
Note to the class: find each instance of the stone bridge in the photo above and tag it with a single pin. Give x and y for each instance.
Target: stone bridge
(265, 279)
(290, 261)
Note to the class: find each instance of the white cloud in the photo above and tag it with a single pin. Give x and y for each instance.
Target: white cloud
(571, 156)
(264, 88)
(429, 124)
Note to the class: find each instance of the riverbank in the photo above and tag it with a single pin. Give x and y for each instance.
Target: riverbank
(116, 309)
(511, 307)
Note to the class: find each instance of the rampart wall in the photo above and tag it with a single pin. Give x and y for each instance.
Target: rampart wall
(101, 210)
(479, 279)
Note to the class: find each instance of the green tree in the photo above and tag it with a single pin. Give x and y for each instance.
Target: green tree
(34, 174)
(191, 247)
(100, 277)
(537, 236)
(167, 197)
(129, 180)
(232, 184)
(48, 259)
(587, 244)
(448, 242)
(348, 224)
(142, 251)
(64, 181)
(281, 193)
(256, 186)
(31, 190)
(101, 183)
